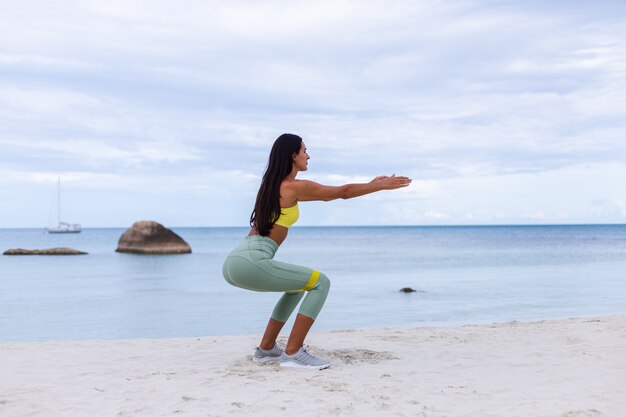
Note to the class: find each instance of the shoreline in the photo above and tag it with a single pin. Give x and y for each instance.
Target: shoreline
(321, 331)
(566, 368)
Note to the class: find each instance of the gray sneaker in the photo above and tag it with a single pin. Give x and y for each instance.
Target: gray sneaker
(267, 356)
(303, 359)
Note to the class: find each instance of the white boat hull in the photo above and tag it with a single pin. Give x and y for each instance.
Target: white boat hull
(65, 228)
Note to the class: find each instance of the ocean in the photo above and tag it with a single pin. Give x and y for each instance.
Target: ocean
(462, 275)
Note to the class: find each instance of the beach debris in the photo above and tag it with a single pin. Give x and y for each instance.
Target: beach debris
(150, 237)
(407, 289)
(53, 251)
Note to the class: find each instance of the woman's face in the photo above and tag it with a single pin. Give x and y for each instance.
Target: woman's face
(300, 160)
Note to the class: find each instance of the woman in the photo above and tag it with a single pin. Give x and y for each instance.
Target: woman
(251, 265)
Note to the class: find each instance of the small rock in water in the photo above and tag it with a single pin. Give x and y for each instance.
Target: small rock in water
(408, 289)
(53, 251)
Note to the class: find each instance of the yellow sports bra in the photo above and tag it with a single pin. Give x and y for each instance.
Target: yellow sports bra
(288, 216)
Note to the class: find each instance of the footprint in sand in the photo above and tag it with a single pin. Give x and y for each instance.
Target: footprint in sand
(582, 413)
(354, 356)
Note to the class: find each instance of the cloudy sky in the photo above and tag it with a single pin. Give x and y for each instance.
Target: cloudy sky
(502, 112)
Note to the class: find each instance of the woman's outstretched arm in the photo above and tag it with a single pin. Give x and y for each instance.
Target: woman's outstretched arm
(312, 191)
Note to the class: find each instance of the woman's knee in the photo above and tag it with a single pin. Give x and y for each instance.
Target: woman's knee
(323, 283)
(314, 301)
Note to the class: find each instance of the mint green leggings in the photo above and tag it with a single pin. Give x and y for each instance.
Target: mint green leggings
(251, 266)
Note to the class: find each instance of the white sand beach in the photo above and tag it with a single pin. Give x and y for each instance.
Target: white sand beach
(564, 368)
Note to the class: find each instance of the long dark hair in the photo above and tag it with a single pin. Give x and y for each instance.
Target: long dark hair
(267, 207)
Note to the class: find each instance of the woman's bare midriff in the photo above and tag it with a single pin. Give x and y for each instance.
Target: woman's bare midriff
(278, 233)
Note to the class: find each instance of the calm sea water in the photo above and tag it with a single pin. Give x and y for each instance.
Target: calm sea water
(461, 274)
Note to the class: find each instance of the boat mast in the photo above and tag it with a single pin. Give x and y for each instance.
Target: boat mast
(59, 207)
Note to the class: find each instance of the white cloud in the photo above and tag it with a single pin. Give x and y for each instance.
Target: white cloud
(435, 215)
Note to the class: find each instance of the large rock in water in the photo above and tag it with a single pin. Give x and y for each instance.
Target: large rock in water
(151, 238)
(53, 251)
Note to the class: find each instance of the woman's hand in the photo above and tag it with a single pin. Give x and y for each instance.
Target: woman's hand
(391, 183)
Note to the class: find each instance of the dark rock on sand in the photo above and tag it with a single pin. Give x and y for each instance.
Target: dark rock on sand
(149, 237)
(407, 289)
(53, 251)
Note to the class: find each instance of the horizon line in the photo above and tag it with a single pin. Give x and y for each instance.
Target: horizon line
(354, 226)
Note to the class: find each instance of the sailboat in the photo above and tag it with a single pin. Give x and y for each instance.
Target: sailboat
(63, 227)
